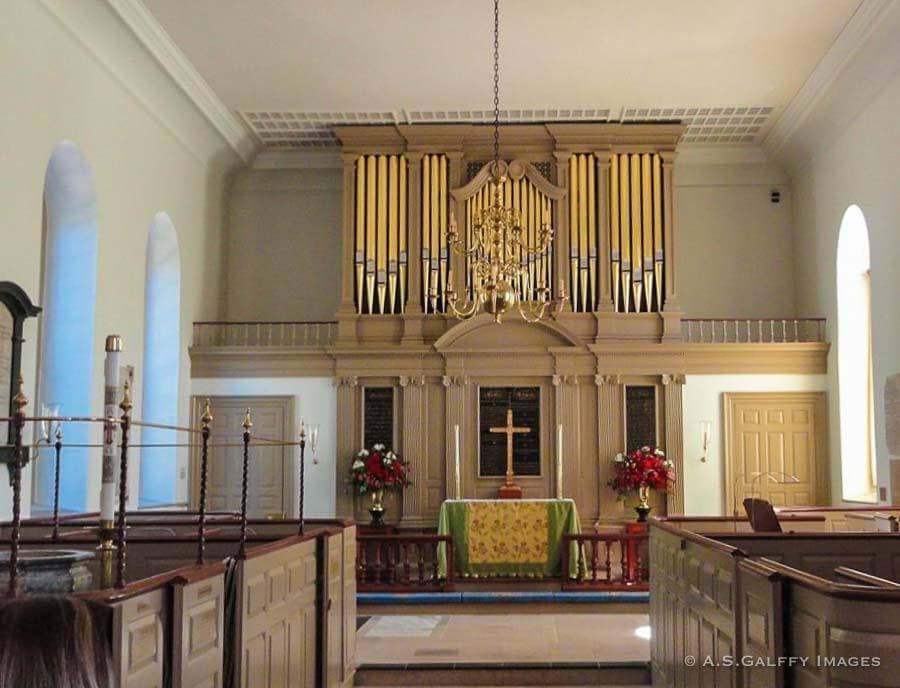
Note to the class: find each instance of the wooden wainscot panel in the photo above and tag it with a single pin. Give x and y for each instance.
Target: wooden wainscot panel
(139, 627)
(692, 607)
(761, 628)
(349, 601)
(198, 617)
(275, 639)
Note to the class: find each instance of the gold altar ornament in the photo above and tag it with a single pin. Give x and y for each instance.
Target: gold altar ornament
(500, 259)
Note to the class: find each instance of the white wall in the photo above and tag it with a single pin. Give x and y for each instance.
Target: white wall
(72, 70)
(856, 161)
(284, 245)
(315, 402)
(727, 231)
(704, 483)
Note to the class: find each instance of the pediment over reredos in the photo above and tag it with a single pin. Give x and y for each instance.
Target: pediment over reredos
(482, 333)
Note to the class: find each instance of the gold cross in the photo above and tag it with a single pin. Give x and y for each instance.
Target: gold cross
(509, 430)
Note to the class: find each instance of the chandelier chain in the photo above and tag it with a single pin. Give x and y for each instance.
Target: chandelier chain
(497, 87)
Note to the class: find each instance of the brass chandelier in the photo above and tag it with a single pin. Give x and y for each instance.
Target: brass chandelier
(498, 252)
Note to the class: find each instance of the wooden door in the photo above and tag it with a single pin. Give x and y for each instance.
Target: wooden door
(775, 449)
(270, 468)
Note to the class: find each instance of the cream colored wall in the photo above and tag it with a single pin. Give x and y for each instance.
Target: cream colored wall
(283, 245)
(315, 402)
(727, 231)
(858, 164)
(704, 483)
(72, 70)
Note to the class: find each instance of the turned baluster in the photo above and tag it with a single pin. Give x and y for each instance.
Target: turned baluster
(623, 551)
(361, 566)
(421, 563)
(595, 560)
(404, 552)
(391, 572)
(378, 561)
(608, 544)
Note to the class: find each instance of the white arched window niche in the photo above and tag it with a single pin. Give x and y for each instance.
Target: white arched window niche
(162, 342)
(69, 286)
(854, 353)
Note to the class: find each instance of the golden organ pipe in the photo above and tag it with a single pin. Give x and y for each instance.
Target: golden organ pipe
(442, 204)
(624, 203)
(381, 256)
(592, 227)
(403, 257)
(614, 227)
(393, 231)
(435, 223)
(658, 229)
(426, 232)
(583, 233)
(370, 231)
(647, 223)
(573, 230)
(360, 254)
(636, 275)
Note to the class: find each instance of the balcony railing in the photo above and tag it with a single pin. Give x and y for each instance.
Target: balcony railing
(753, 330)
(289, 334)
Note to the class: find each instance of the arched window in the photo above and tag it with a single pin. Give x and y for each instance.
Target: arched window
(67, 327)
(162, 329)
(854, 353)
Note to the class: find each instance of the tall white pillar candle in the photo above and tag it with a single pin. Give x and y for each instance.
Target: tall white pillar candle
(111, 369)
(559, 461)
(456, 460)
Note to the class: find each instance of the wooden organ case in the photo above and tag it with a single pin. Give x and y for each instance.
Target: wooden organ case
(607, 192)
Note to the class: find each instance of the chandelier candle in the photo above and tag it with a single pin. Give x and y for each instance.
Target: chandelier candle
(559, 461)
(456, 462)
(111, 369)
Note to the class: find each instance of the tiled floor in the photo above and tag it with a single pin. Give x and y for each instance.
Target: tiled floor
(519, 638)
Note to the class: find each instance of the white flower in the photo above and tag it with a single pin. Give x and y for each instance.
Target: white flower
(378, 447)
(363, 454)
(358, 464)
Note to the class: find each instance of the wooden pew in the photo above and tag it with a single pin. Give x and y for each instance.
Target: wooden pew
(173, 603)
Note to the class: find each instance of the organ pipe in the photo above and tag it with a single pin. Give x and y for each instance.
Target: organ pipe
(380, 259)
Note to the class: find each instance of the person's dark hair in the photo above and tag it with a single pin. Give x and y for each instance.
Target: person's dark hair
(57, 641)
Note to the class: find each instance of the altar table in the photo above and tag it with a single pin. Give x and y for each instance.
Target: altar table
(515, 538)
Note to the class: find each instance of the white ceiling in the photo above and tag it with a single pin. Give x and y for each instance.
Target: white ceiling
(430, 60)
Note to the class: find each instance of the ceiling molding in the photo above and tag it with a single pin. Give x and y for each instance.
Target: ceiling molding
(154, 38)
(853, 36)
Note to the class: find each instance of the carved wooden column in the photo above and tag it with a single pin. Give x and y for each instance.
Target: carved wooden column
(609, 442)
(561, 223)
(675, 438)
(413, 314)
(414, 447)
(346, 315)
(672, 309)
(604, 299)
(457, 387)
(349, 438)
(568, 413)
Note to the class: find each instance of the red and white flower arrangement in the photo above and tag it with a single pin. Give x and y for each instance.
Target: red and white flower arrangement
(377, 469)
(643, 469)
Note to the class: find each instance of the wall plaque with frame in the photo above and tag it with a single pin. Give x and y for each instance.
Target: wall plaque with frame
(640, 417)
(525, 403)
(378, 416)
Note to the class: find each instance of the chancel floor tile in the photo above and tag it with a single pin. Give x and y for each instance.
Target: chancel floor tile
(506, 639)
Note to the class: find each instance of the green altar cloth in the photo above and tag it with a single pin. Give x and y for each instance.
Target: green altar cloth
(508, 537)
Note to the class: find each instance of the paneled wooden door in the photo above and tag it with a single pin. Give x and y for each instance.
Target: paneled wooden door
(776, 448)
(271, 472)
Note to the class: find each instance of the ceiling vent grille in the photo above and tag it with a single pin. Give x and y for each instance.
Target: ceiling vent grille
(726, 125)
